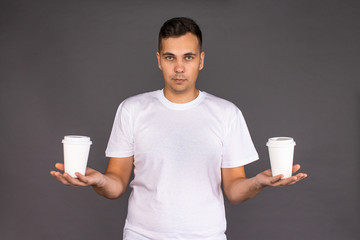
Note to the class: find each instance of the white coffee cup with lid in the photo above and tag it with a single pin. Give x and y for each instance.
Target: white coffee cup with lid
(281, 152)
(76, 153)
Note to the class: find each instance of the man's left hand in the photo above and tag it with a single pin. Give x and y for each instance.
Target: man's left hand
(265, 178)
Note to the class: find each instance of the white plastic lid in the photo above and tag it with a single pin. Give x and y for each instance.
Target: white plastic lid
(280, 142)
(76, 139)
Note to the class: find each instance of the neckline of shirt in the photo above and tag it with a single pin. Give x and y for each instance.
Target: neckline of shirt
(181, 106)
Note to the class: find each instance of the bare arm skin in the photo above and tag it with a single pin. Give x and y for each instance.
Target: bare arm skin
(238, 188)
(112, 184)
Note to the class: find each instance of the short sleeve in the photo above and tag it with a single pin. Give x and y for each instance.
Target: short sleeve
(238, 148)
(121, 142)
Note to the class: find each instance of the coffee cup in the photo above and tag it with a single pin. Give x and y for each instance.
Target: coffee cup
(281, 153)
(76, 153)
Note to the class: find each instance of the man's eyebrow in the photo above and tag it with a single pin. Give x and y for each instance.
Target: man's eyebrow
(171, 54)
(168, 54)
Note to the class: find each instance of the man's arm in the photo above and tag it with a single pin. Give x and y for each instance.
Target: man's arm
(238, 188)
(111, 185)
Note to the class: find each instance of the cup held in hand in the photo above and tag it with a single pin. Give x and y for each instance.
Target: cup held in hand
(281, 152)
(76, 153)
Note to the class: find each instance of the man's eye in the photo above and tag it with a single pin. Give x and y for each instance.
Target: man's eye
(189, 57)
(169, 58)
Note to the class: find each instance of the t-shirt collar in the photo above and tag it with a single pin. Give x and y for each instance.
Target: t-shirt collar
(181, 106)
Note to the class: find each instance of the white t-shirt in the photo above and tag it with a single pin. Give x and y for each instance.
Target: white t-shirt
(179, 150)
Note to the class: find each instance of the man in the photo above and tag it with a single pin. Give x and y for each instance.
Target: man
(183, 144)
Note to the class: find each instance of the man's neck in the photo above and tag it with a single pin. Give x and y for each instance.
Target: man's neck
(181, 97)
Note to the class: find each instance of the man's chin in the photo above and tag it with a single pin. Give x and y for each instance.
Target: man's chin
(179, 88)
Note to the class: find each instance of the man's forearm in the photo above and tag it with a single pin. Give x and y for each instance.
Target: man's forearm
(243, 189)
(110, 187)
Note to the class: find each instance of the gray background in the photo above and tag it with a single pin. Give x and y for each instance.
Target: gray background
(292, 67)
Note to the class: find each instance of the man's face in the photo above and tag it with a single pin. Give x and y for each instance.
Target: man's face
(180, 61)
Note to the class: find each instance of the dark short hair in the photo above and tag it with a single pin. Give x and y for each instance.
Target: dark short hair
(177, 27)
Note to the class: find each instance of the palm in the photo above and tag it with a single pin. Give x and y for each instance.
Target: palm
(92, 177)
(265, 178)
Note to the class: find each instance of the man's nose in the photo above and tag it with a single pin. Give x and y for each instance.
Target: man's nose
(179, 67)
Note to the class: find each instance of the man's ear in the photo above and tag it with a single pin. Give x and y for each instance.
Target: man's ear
(159, 60)
(202, 57)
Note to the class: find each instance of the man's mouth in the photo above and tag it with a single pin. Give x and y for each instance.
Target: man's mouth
(179, 79)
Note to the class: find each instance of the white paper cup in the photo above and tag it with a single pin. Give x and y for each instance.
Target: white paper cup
(76, 153)
(281, 152)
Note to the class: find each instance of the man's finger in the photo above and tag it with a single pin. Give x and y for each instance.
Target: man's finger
(73, 181)
(292, 180)
(60, 166)
(276, 179)
(60, 178)
(286, 181)
(296, 168)
(82, 178)
(301, 176)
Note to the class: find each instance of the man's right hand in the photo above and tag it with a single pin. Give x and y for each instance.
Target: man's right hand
(91, 178)
(111, 185)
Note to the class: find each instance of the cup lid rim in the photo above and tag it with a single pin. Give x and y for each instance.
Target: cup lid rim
(76, 139)
(280, 141)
